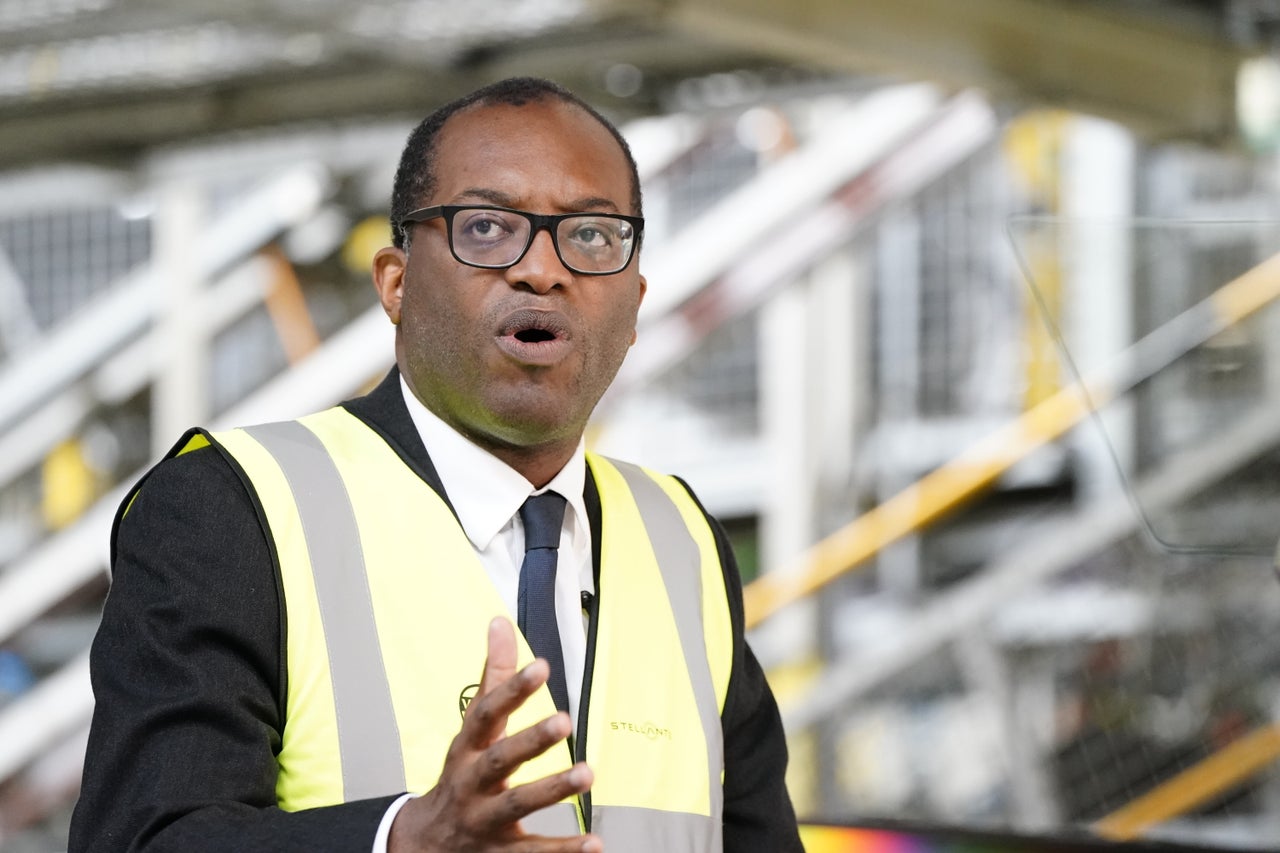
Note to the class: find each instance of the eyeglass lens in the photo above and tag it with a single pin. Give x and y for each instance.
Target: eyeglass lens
(587, 243)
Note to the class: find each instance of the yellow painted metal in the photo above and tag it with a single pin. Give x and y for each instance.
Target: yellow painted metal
(1033, 145)
(962, 478)
(69, 484)
(1198, 784)
(918, 505)
(978, 467)
(287, 306)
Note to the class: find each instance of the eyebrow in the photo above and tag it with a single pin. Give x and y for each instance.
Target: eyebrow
(501, 199)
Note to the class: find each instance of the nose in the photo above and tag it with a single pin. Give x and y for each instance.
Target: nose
(540, 268)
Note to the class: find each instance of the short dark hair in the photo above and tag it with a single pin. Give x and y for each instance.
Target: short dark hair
(415, 176)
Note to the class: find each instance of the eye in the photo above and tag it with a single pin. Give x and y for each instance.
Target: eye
(483, 226)
(599, 233)
(590, 236)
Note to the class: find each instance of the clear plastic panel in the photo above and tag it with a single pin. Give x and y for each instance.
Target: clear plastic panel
(1172, 328)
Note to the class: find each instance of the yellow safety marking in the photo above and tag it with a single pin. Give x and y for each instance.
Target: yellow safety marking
(1199, 783)
(976, 468)
(1241, 297)
(1033, 143)
(919, 504)
(1043, 374)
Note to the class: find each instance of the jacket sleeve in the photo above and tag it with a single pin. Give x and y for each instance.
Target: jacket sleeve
(758, 815)
(188, 674)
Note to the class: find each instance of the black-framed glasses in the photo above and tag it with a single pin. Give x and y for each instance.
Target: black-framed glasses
(497, 237)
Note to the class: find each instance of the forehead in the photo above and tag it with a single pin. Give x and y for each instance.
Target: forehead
(547, 153)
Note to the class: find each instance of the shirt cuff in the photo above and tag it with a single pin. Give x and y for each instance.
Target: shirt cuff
(384, 828)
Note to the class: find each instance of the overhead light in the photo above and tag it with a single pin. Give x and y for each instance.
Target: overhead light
(1258, 102)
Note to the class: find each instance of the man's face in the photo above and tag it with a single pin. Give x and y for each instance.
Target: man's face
(473, 343)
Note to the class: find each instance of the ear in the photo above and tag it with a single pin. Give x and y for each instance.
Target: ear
(388, 280)
(644, 287)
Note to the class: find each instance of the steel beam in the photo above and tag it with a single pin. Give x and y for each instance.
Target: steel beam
(1159, 75)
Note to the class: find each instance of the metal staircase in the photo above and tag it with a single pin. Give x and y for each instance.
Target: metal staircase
(801, 244)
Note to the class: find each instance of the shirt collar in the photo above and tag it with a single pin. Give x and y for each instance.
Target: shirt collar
(486, 492)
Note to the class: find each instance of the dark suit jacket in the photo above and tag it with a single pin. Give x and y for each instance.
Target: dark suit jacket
(189, 673)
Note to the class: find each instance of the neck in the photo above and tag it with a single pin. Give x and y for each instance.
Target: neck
(537, 465)
(537, 462)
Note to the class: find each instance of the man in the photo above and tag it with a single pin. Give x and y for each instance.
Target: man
(299, 611)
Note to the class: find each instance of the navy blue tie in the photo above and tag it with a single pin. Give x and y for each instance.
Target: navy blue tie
(543, 516)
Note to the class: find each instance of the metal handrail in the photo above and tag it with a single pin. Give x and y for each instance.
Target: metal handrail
(342, 367)
(964, 605)
(849, 144)
(963, 478)
(949, 486)
(123, 374)
(73, 558)
(69, 560)
(108, 323)
(798, 211)
(1198, 784)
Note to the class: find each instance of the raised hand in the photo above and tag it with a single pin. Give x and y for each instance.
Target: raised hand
(472, 807)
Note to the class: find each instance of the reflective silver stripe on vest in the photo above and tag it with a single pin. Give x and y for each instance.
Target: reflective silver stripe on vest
(368, 737)
(635, 830)
(681, 565)
(557, 821)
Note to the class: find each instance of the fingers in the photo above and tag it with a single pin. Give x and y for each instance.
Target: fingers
(501, 690)
(473, 801)
(502, 758)
(438, 822)
(516, 803)
(486, 718)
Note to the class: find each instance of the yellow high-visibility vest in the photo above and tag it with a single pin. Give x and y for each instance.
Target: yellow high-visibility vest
(387, 608)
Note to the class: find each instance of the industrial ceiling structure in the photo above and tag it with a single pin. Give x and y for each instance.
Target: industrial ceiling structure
(117, 84)
(102, 81)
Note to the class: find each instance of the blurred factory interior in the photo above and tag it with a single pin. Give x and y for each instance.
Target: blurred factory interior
(961, 317)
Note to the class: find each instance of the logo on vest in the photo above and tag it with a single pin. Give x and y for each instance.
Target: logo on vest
(648, 729)
(464, 698)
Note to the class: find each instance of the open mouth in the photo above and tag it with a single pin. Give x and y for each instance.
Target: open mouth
(534, 336)
(535, 327)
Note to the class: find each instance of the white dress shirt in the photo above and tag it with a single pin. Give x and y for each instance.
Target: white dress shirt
(486, 493)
